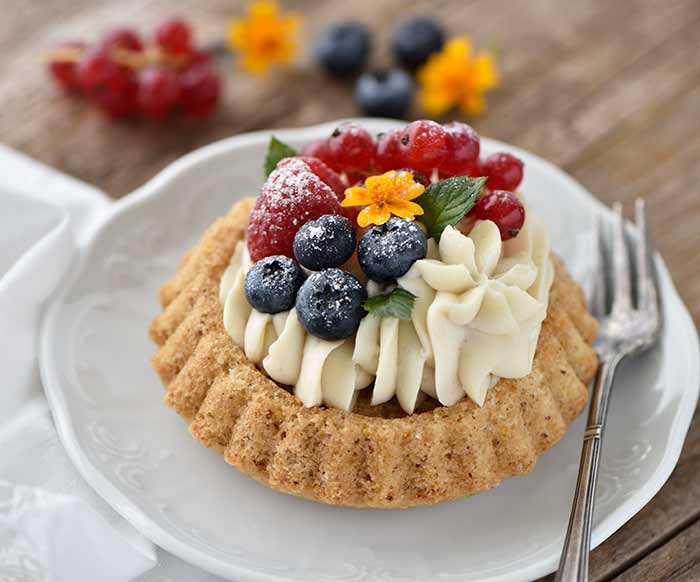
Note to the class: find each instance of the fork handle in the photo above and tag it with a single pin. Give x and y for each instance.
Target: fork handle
(573, 566)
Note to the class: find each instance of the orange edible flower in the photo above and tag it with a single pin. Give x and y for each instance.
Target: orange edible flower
(382, 196)
(455, 77)
(265, 37)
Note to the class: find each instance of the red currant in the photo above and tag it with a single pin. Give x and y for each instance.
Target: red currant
(118, 102)
(65, 72)
(503, 208)
(463, 149)
(504, 171)
(477, 170)
(199, 90)
(159, 91)
(355, 178)
(120, 37)
(351, 148)
(423, 144)
(95, 69)
(199, 58)
(388, 156)
(120, 78)
(320, 149)
(419, 177)
(174, 36)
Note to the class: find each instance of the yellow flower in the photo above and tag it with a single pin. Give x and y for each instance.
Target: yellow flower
(455, 77)
(382, 196)
(264, 37)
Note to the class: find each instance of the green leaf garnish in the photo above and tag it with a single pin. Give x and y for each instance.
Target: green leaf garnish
(447, 202)
(276, 151)
(398, 304)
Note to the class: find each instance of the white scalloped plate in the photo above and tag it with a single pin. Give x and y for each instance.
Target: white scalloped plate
(138, 455)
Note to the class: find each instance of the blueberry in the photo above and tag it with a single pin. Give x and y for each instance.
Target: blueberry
(329, 304)
(272, 283)
(343, 48)
(326, 242)
(415, 40)
(385, 94)
(387, 252)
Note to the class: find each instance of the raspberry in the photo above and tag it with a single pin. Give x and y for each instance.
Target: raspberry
(175, 37)
(332, 179)
(423, 145)
(463, 150)
(290, 197)
(328, 176)
(503, 208)
(351, 148)
(351, 212)
(504, 171)
(388, 156)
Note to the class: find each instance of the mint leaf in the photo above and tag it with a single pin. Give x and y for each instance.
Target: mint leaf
(398, 304)
(446, 202)
(277, 151)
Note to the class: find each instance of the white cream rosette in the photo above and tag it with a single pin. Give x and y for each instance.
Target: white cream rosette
(479, 307)
(484, 315)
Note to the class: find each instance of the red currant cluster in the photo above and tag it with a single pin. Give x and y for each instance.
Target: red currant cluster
(430, 151)
(124, 77)
(423, 146)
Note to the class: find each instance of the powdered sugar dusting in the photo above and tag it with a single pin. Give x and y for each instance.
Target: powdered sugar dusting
(290, 197)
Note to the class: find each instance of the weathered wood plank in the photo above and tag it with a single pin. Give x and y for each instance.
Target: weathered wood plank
(676, 561)
(636, 88)
(552, 59)
(654, 154)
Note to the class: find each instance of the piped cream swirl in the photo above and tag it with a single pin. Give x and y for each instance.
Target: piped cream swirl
(479, 307)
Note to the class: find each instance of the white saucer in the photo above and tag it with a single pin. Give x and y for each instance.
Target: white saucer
(138, 455)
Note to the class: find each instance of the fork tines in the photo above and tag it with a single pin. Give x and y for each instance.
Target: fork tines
(624, 289)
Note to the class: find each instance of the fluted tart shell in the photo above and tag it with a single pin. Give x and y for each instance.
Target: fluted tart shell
(375, 456)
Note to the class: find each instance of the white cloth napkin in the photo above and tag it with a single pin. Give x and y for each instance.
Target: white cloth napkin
(53, 526)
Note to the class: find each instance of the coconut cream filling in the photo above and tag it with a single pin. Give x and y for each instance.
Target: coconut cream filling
(479, 307)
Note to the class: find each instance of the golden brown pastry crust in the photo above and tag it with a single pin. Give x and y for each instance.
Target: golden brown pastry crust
(375, 456)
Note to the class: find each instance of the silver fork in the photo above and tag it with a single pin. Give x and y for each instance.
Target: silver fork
(630, 325)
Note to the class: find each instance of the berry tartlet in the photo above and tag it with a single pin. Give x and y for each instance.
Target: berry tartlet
(383, 326)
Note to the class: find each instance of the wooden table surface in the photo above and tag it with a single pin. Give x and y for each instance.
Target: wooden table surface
(610, 91)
